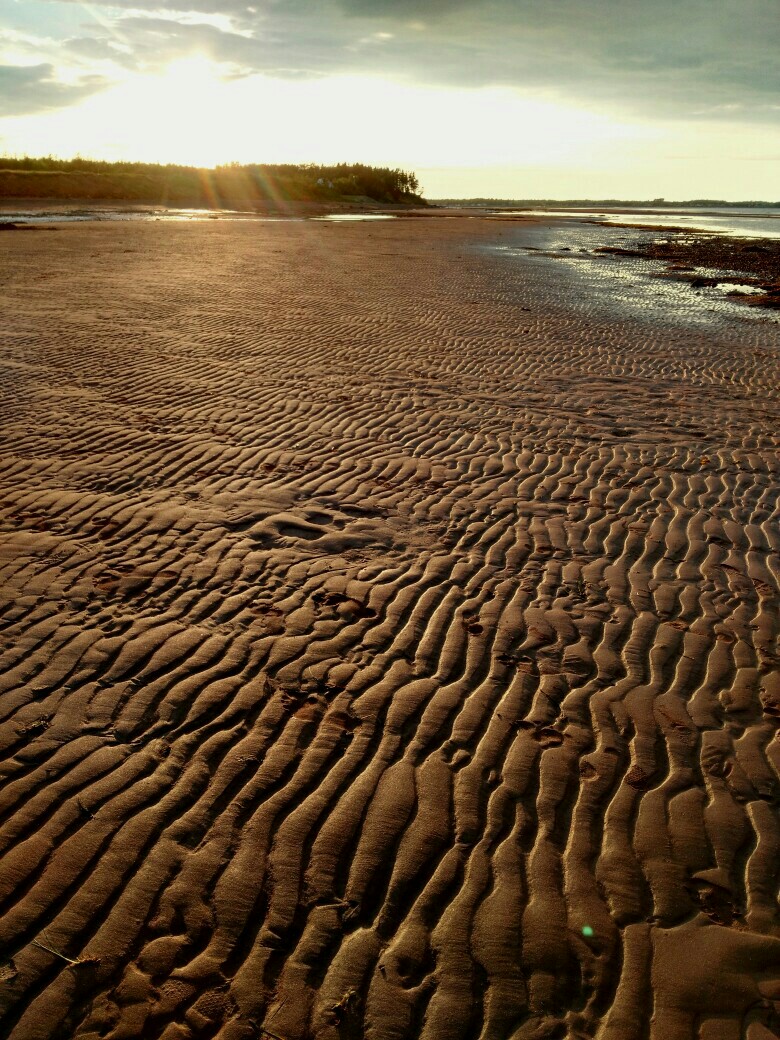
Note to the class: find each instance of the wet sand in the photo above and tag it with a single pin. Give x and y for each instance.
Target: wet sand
(712, 260)
(389, 623)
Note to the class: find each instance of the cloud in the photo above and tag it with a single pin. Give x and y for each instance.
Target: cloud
(28, 89)
(431, 9)
(153, 42)
(670, 58)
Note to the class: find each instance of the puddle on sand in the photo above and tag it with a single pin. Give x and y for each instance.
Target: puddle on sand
(38, 217)
(741, 289)
(356, 216)
(174, 215)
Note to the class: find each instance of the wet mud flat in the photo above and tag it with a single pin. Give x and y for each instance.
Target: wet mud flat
(389, 642)
(706, 261)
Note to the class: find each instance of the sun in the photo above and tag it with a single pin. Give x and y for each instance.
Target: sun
(180, 115)
(200, 112)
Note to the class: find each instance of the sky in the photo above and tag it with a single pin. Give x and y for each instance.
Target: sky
(563, 99)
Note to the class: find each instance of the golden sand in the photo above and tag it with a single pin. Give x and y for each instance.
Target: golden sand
(389, 636)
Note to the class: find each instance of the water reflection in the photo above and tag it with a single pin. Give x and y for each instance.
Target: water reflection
(758, 223)
(61, 215)
(356, 216)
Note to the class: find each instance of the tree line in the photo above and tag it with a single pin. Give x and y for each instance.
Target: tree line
(224, 185)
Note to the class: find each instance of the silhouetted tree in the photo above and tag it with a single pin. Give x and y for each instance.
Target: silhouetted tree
(97, 179)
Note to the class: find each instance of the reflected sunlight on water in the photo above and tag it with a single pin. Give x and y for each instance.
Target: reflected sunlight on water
(759, 223)
(356, 216)
(43, 216)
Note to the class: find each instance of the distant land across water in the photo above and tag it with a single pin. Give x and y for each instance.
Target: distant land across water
(589, 204)
(735, 219)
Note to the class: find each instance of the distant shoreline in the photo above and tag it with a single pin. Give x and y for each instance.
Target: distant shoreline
(248, 187)
(617, 205)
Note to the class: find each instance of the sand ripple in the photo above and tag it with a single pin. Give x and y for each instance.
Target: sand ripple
(390, 645)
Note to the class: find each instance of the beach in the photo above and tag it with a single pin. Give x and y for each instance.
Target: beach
(389, 621)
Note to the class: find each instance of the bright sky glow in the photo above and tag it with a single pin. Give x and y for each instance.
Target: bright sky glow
(191, 114)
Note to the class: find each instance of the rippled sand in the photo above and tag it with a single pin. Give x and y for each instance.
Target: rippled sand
(389, 629)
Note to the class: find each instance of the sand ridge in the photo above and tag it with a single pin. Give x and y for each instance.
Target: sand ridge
(389, 641)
